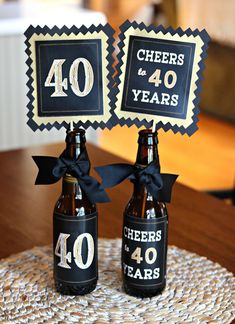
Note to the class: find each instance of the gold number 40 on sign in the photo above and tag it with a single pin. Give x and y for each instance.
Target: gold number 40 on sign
(61, 84)
(155, 78)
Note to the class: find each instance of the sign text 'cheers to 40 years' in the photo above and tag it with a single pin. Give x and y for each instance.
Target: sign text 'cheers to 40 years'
(168, 79)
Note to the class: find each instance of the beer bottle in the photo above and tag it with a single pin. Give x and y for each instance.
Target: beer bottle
(144, 244)
(75, 229)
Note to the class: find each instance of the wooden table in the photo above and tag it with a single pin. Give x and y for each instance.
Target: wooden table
(198, 222)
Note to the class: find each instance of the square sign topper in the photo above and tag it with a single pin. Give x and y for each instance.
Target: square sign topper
(159, 76)
(70, 76)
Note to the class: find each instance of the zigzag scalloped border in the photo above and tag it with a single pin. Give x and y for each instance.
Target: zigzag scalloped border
(143, 122)
(109, 31)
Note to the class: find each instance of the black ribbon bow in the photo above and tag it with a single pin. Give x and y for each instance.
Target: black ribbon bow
(159, 185)
(51, 169)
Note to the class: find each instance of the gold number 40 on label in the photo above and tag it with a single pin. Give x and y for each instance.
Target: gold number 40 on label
(61, 84)
(61, 251)
(150, 259)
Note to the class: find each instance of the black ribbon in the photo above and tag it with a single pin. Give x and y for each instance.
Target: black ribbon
(159, 185)
(51, 169)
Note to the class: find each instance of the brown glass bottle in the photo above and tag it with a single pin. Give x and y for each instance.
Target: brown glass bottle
(75, 229)
(143, 252)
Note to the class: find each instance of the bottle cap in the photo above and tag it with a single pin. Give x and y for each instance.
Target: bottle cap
(147, 137)
(75, 136)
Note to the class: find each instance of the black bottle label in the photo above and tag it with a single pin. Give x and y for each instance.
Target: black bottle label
(75, 248)
(144, 248)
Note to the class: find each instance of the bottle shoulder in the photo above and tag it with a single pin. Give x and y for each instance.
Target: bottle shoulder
(146, 207)
(74, 206)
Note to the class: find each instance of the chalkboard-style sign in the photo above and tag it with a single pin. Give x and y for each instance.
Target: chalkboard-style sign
(70, 76)
(159, 75)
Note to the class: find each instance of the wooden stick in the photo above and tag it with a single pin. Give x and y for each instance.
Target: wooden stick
(154, 126)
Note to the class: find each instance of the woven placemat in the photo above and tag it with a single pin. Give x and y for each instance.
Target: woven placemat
(198, 291)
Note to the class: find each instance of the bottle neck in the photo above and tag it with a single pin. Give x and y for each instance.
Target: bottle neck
(142, 204)
(73, 150)
(70, 186)
(147, 153)
(75, 145)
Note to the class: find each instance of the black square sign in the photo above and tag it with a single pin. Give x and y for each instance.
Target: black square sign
(158, 77)
(69, 78)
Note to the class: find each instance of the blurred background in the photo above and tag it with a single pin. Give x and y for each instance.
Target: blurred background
(206, 161)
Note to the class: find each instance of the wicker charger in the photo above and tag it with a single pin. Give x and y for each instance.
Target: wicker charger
(198, 291)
